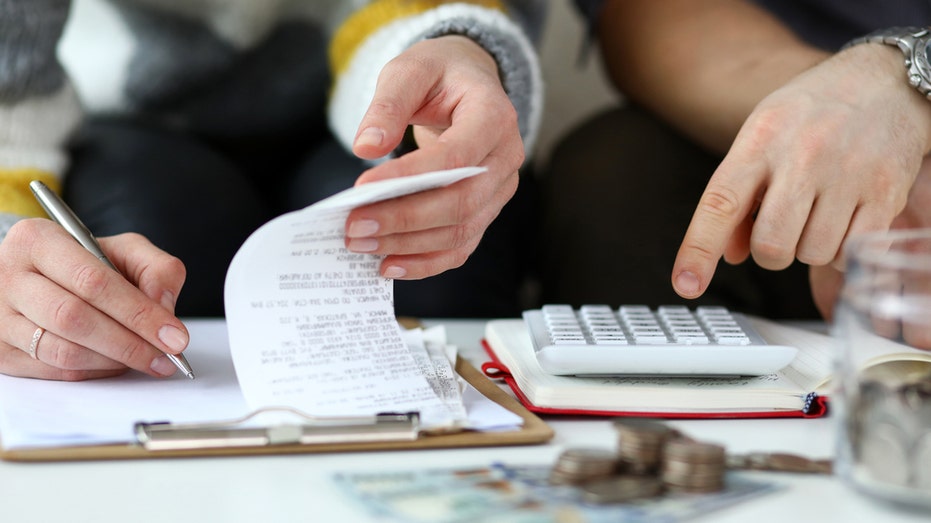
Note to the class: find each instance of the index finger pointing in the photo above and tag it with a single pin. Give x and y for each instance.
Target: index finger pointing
(726, 202)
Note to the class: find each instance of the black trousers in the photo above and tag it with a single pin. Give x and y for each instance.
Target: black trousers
(617, 196)
(199, 199)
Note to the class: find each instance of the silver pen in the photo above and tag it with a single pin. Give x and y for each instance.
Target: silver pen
(59, 211)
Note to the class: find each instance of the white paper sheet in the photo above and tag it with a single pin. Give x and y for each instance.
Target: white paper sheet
(38, 413)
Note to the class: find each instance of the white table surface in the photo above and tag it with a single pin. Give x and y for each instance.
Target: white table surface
(298, 487)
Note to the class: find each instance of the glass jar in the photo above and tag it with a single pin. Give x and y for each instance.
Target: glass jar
(883, 399)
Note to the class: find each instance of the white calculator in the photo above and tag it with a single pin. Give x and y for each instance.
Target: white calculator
(637, 340)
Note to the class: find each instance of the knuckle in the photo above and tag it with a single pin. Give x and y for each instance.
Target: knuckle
(91, 281)
(455, 156)
(700, 252)
(135, 351)
(386, 107)
(720, 202)
(165, 265)
(464, 235)
(763, 125)
(174, 265)
(137, 316)
(135, 237)
(68, 316)
(24, 231)
(520, 155)
(468, 205)
(457, 237)
(60, 354)
(509, 188)
(508, 114)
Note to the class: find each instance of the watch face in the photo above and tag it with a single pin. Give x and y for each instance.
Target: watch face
(920, 73)
(922, 60)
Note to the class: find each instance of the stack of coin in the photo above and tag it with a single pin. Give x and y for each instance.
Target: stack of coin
(576, 466)
(640, 444)
(654, 459)
(693, 466)
(622, 489)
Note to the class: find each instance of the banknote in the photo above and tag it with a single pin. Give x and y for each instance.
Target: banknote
(506, 493)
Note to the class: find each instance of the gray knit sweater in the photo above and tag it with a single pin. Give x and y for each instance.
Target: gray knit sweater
(203, 64)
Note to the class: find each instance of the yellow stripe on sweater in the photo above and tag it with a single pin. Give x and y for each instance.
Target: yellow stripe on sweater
(377, 14)
(15, 195)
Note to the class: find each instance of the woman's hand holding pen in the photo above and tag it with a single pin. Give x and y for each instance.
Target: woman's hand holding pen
(81, 319)
(449, 90)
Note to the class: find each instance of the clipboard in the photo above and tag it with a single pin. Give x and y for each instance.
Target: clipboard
(397, 431)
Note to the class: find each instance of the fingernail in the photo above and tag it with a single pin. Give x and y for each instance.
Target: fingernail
(394, 272)
(687, 283)
(371, 136)
(172, 337)
(163, 366)
(361, 228)
(362, 245)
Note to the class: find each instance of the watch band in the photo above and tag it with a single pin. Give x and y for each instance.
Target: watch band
(913, 41)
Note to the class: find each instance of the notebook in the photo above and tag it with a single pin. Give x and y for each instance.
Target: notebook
(799, 390)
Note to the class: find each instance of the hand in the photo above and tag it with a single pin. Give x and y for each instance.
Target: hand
(97, 322)
(826, 280)
(832, 153)
(448, 89)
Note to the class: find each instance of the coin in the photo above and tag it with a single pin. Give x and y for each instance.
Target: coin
(693, 466)
(621, 489)
(884, 454)
(779, 462)
(641, 442)
(582, 464)
(922, 462)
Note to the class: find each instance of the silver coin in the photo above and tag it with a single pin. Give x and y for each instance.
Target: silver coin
(884, 454)
(581, 464)
(695, 452)
(922, 463)
(621, 489)
(641, 442)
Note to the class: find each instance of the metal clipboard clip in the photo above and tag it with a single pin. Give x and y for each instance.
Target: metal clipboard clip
(302, 429)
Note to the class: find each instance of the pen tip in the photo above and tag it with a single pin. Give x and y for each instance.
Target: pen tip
(190, 375)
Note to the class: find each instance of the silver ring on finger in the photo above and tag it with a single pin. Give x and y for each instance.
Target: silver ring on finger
(34, 344)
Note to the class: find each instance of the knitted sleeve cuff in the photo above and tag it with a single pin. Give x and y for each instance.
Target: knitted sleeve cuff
(490, 28)
(517, 63)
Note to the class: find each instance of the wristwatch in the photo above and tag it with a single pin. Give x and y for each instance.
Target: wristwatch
(914, 43)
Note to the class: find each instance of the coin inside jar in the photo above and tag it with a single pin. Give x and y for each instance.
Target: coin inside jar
(883, 452)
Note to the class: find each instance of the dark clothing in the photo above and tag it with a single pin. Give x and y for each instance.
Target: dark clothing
(825, 23)
(829, 24)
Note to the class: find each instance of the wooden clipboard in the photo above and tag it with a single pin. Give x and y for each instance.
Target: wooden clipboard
(533, 431)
